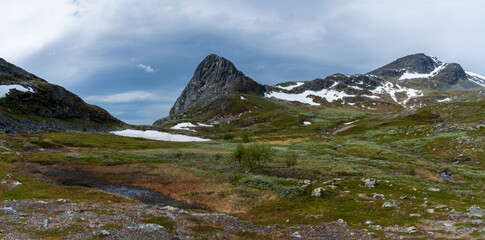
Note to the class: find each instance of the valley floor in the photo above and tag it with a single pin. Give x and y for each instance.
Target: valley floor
(428, 165)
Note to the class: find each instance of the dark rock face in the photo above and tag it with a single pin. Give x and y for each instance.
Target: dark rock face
(214, 78)
(46, 100)
(417, 63)
(446, 76)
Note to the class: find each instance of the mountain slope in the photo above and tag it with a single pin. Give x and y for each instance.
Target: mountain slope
(214, 78)
(25, 97)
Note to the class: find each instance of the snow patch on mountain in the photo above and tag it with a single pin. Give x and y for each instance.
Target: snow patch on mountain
(4, 89)
(289, 88)
(413, 75)
(475, 78)
(391, 90)
(188, 125)
(329, 95)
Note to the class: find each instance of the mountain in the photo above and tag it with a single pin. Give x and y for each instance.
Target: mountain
(218, 90)
(214, 78)
(29, 103)
(413, 81)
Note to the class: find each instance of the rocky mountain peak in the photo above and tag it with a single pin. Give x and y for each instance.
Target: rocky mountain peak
(214, 78)
(419, 63)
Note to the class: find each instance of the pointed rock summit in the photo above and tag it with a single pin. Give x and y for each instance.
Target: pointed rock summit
(214, 78)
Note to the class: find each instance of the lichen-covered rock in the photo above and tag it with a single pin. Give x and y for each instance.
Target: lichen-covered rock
(317, 192)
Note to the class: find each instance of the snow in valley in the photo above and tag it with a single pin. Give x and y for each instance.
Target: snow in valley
(156, 135)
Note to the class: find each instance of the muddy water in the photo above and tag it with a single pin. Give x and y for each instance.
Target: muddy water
(118, 182)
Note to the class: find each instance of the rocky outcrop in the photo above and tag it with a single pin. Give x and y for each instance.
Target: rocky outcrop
(214, 78)
(43, 103)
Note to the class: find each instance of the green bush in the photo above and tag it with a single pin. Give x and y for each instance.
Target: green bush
(245, 138)
(291, 160)
(228, 136)
(252, 157)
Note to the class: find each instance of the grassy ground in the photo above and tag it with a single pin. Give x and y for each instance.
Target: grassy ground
(405, 151)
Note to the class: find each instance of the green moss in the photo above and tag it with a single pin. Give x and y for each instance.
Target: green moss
(162, 221)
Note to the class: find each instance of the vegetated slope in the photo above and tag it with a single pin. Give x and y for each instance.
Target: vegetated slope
(30, 103)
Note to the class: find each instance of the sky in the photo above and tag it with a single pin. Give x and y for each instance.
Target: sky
(134, 57)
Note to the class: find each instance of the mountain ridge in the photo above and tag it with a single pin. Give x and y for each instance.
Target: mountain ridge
(30, 103)
(412, 81)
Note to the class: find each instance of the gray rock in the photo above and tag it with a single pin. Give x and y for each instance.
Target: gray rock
(9, 210)
(431, 189)
(375, 227)
(341, 221)
(62, 200)
(104, 233)
(370, 182)
(475, 212)
(317, 192)
(389, 204)
(430, 210)
(378, 196)
(47, 222)
(410, 229)
(150, 227)
(296, 235)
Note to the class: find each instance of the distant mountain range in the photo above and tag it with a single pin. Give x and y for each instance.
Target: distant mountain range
(409, 82)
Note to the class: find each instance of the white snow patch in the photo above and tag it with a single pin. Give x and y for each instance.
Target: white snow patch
(4, 89)
(243, 98)
(445, 100)
(188, 125)
(204, 125)
(478, 79)
(156, 135)
(348, 123)
(412, 75)
(307, 123)
(292, 86)
(389, 88)
(328, 94)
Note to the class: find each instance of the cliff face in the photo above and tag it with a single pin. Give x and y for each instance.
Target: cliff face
(214, 78)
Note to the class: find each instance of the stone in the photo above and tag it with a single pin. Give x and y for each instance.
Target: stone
(475, 212)
(445, 175)
(62, 200)
(9, 210)
(375, 227)
(47, 222)
(378, 196)
(430, 210)
(476, 222)
(403, 197)
(410, 229)
(389, 204)
(104, 233)
(296, 235)
(431, 189)
(150, 227)
(415, 215)
(370, 182)
(317, 192)
(368, 222)
(341, 221)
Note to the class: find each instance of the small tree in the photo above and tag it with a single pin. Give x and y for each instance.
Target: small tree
(291, 160)
(252, 157)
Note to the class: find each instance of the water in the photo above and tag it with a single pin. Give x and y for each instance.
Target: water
(140, 194)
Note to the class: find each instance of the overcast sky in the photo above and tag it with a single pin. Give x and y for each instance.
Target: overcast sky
(134, 57)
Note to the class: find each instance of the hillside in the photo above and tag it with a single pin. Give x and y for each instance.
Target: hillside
(29, 103)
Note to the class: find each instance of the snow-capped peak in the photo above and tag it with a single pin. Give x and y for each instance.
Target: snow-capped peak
(435, 59)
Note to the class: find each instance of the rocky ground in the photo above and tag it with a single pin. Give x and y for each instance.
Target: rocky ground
(62, 218)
